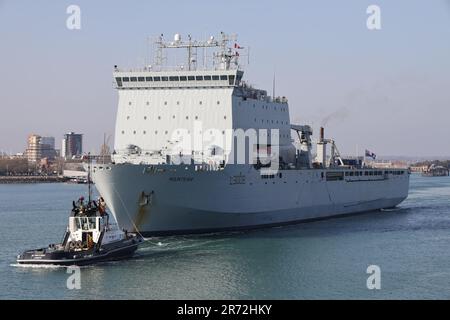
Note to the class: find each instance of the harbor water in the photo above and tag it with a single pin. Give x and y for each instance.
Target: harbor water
(319, 260)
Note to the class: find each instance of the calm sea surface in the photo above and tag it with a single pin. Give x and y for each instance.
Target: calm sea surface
(326, 259)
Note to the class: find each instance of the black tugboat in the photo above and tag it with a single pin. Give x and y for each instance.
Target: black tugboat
(89, 238)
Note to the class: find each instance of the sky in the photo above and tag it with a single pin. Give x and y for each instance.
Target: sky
(385, 90)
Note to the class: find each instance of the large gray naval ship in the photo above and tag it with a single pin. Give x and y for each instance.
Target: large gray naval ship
(198, 150)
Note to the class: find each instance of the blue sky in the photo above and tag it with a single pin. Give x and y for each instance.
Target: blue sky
(386, 90)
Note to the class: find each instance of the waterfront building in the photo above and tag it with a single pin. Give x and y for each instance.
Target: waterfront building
(72, 145)
(34, 151)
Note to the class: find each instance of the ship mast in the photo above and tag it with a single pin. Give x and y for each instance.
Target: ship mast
(225, 56)
(89, 178)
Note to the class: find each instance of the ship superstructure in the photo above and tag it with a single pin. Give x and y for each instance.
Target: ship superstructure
(197, 149)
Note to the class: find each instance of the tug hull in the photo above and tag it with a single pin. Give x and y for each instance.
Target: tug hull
(115, 251)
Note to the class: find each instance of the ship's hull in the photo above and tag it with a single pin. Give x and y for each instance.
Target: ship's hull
(164, 200)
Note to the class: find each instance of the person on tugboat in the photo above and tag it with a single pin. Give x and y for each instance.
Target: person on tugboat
(93, 208)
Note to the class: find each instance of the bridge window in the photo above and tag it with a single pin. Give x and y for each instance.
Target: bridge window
(148, 79)
(207, 78)
(231, 80)
(183, 78)
(133, 79)
(119, 81)
(156, 78)
(125, 79)
(199, 78)
(223, 77)
(164, 78)
(215, 77)
(191, 78)
(174, 78)
(141, 79)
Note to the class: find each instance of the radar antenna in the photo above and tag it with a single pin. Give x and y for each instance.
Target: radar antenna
(224, 58)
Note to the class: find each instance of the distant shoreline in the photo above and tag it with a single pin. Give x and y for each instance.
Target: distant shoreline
(32, 179)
